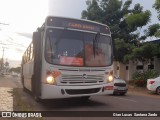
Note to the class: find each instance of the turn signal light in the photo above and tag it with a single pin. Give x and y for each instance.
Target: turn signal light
(151, 82)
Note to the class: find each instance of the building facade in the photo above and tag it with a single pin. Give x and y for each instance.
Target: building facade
(125, 71)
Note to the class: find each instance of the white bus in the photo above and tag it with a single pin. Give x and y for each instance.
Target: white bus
(69, 58)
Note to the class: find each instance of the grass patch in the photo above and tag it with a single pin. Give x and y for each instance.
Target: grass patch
(20, 104)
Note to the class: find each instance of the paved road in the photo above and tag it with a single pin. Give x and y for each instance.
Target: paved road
(133, 101)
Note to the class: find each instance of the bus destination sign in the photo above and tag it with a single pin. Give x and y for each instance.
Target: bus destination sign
(77, 24)
(82, 26)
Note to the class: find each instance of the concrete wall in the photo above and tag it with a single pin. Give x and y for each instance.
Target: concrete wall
(157, 64)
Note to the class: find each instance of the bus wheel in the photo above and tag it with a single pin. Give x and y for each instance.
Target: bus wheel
(24, 89)
(158, 90)
(37, 99)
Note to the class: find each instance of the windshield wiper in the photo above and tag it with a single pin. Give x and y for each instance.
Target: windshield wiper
(95, 43)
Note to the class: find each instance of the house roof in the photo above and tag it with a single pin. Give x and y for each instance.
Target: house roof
(155, 41)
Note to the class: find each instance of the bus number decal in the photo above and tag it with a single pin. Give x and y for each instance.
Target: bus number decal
(71, 61)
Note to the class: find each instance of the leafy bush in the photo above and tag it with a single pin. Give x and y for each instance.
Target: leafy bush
(140, 78)
(140, 83)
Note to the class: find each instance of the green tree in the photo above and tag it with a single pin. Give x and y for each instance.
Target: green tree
(152, 30)
(121, 19)
(96, 15)
(122, 49)
(145, 52)
(157, 7)
(138, 20)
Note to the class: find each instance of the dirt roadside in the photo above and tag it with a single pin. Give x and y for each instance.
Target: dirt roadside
(141, 91)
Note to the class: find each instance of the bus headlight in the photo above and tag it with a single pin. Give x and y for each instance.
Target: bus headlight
(50, 79)
(110, 78)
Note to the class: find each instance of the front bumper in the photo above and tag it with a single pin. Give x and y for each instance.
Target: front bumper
(53, 91)
(120, 89)
(151, 87)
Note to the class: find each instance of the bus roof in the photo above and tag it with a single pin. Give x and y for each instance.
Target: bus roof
(80, 24)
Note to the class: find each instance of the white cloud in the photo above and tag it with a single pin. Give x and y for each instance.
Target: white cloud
(66, 8)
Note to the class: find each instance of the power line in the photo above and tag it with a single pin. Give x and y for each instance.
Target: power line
(4, 24)
(14, 44)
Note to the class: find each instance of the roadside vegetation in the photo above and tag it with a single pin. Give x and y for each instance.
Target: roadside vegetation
(140, 78)
(16, 70)
(19, 103)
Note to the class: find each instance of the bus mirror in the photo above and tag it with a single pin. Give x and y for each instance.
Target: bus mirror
(36, 37)
(36, 42)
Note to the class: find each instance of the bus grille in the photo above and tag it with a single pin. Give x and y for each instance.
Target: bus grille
(82, 91)
(78, 79)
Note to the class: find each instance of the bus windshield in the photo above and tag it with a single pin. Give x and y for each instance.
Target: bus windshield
(75, 48)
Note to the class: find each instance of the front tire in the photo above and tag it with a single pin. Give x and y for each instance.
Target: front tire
(24, 88)
(37, 99)
(158, 90)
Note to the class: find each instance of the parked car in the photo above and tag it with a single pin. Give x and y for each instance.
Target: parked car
(154, 85)
(120, 86)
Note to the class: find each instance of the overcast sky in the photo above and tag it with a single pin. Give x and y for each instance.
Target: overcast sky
(24, 16)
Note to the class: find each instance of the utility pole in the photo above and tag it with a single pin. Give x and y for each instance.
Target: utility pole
(2, 62)
(3, 52)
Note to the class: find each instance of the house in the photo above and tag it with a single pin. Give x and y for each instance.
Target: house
(125, 71)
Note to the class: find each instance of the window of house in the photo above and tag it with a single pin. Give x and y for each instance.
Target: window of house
(152, 59)
(126, 67)
(150, 67)
(139, 67)
(117, 67)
